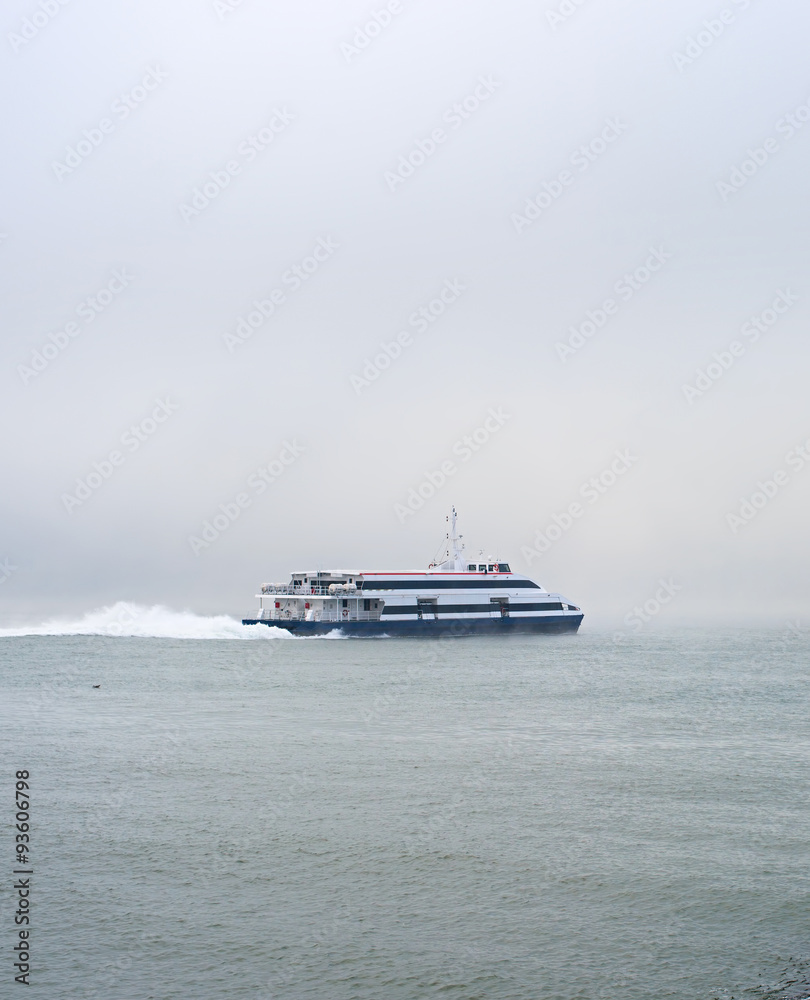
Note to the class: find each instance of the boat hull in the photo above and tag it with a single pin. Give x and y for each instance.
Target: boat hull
(430, 628)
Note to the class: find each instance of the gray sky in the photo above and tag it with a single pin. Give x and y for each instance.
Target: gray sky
(168, 166)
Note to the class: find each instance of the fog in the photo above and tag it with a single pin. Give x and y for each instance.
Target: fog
(221, 222)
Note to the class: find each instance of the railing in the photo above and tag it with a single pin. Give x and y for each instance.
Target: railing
(276, 615)
(288, 591)
(330, 616)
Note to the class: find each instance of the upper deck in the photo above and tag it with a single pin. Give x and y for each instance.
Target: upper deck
(330, 583)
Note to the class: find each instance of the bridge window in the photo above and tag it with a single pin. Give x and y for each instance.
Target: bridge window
(504, 568)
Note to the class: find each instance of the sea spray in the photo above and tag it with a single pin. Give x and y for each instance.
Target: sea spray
(125, 619)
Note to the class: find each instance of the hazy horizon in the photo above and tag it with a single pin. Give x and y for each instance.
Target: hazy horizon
(251, 252)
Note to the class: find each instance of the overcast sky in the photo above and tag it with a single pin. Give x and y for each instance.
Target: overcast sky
(216, 216)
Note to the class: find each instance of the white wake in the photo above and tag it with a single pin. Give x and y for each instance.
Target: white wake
(156, 622)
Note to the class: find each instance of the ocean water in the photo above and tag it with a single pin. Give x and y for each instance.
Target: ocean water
(239, 814)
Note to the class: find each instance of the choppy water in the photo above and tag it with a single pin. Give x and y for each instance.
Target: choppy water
(541, 817)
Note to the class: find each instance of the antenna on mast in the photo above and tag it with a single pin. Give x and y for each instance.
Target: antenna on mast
(456, 546)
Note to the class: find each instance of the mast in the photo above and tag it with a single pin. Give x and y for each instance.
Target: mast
(455, 546)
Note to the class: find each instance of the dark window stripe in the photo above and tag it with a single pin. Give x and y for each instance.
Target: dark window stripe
(429, 585)
(548, 606)
(469, 609)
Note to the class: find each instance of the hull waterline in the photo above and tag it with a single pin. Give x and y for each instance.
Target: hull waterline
(439, 629)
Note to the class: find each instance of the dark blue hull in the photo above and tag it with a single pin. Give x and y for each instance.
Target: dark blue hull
(431, 628)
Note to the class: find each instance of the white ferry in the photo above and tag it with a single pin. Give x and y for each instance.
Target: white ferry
(452, 597)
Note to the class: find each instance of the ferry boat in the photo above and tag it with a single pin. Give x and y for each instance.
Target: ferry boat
(454, 597)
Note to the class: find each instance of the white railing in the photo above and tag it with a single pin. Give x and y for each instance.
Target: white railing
(308, 591)
(330, 616)
(276, 615)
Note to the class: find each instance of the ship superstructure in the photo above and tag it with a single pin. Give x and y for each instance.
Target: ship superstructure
(457, 596)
